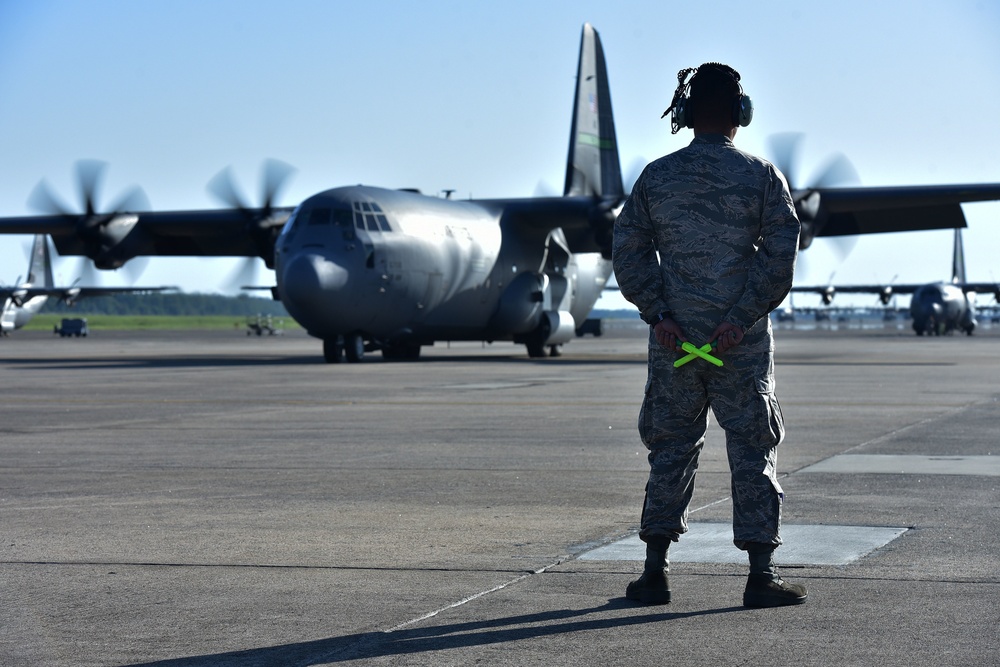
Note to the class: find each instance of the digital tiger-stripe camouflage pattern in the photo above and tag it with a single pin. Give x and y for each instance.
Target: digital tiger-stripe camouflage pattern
(725, 227)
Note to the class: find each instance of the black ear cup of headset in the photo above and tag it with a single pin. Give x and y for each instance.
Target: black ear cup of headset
(682, 113)
(742, 110)
(682, 116)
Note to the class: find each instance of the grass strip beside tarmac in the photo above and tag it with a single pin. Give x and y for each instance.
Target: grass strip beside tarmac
(46, 322)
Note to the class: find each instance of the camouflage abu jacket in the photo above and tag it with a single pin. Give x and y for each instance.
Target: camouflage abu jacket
(725, 227)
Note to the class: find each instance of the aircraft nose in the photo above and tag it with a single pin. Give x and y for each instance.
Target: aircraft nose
(309, 279)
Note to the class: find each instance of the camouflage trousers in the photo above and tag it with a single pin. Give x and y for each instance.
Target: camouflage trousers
(673, 422)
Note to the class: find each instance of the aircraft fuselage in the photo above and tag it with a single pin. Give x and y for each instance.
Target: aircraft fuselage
(14, 316)
(397, 268)
(939, 308)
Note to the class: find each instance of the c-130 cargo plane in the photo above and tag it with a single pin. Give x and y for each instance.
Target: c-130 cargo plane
(22, 301)
(366, 268)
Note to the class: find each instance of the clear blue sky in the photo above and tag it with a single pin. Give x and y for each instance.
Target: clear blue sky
(476, 97)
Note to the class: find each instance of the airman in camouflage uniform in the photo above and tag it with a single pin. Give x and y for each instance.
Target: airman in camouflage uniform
(725, 227)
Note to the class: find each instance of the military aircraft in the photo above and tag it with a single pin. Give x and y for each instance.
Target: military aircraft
(367, 268)
(936, 308)
(21, 302)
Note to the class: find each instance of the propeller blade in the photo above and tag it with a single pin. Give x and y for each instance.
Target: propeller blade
(223, 188)
(273, 178)
(837, 171)
(86, 272)
(274, 175)
(89, 174)
(785, 147)
(842, 245)
(134, 268)
(244, 273)
(131, 201)
(42, 200)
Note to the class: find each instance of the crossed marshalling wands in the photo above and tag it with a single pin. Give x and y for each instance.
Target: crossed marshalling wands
(694, 352)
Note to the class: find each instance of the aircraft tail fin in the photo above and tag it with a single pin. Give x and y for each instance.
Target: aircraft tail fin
(958, 259)
(40, 264)
(592, 167)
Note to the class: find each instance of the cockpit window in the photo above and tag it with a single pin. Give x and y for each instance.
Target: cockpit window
(319, 216)
(343, 217)
(369, 215)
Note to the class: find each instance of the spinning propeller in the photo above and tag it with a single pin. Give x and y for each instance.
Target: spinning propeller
(837, 171)
(260, 223)
(95, 230)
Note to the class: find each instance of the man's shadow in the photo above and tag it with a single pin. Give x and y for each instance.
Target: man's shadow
(407, 640)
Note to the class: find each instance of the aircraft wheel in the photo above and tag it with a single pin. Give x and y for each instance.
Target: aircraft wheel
(535, 350)
(354, 347)
(333, 350)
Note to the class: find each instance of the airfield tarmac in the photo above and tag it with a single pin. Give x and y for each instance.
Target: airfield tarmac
(207, 498)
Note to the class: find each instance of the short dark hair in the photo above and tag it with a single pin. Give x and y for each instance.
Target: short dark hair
(714, 90)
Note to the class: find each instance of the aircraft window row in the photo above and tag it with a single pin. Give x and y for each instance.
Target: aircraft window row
(325, 216)
(364, 216)
(370, 216)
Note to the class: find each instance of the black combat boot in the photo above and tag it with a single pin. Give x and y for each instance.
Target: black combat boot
(652, 587)
(765, 588)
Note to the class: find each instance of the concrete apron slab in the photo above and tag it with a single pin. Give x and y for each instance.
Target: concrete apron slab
(908, 464)
(804, 545)
(809, 544)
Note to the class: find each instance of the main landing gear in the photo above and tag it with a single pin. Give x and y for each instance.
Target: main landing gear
(351, 346)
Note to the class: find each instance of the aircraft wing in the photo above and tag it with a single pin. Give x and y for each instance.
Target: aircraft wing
(887, 291)
(73, 294)
(237, 232)
(859, 289)
(893, 288)
(587, 222)
(982, 288)
(874, 210)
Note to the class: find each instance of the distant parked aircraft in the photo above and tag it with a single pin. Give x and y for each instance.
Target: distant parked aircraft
(21, 302)
(936, 308)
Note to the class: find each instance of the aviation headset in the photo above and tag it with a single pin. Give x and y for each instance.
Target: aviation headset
(681, 103)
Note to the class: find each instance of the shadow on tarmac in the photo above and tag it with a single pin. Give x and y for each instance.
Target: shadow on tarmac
(153, 362)
(407, 641)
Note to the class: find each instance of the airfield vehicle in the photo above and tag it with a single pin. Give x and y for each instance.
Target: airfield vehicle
(71, 326)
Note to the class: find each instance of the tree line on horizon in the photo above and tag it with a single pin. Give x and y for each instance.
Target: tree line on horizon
(174, 303)
(160, 303)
